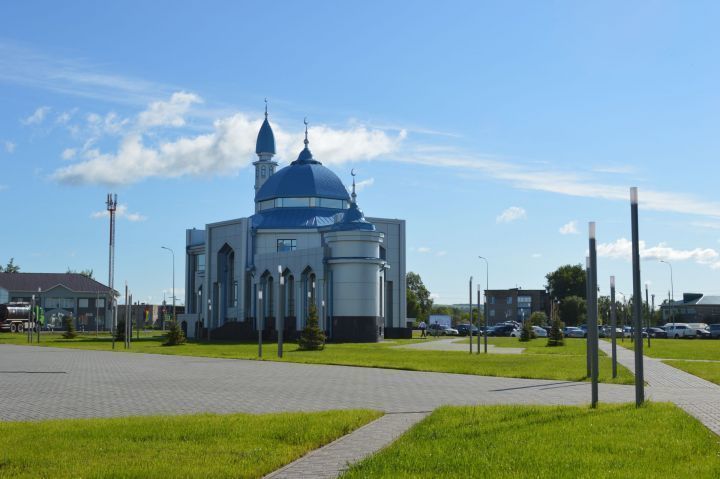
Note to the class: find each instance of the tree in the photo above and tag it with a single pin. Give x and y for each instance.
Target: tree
(527, 333)
(120, 330)
(573, 310)
(419, 303)
(312, 337)
(555, 338)
(538, 318)
(11, 267)
(69, 324)
(88, 273)
(568, 280)
(175, 335)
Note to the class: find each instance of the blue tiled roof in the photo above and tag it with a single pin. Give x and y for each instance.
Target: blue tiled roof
(265, 140)
(303, 178)
(281, 218)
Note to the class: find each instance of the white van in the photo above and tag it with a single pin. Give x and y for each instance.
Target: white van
(680, 330)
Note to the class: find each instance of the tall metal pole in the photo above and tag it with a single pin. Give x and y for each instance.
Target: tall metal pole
(479, 290)
(637, 301)
(111, 204)
(647, 310)
(38, 311)
(672, 291)
(173, 278)
(487, 287)
(587, 313)
(613, 325)
(260, 318)
(126, 311)
(281, 311)
(593, 316)
(471, 314)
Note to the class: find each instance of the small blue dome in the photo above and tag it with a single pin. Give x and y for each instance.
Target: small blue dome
(353, 219)
(266, 139)
(304, 177)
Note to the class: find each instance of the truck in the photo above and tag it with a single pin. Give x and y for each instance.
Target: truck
(16, 317)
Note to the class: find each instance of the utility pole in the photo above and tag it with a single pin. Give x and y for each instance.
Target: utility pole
(479, 290)
(111, 204)
(260, 318)
(613, 325)
(587, 322)
(471, 313)
(281, 310)
(647, 309)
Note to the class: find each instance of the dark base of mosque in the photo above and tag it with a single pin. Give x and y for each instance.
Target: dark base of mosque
(245, 330)
(398, 333)
(357, 329)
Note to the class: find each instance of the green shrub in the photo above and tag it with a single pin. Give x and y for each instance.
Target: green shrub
(70, 331)
(312, 337)
(120, 330)
(174, 335)
(555, 338)
(527, 333)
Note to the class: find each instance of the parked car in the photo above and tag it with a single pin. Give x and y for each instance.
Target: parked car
(701, 330)
(679, 330)
(464, 329)
(436, 329)
(571, 332)
(714, 331)
(501, 330)
(607, 331)
(656, 332)
(540, 332)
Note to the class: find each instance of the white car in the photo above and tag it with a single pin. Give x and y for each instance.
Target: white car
(539, 332)
(680, 330)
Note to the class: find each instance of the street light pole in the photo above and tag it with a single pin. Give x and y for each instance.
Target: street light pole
(593, 316)
(672, 291)
(260, 318)
(613, 326)
(637, 300)
(485, 309)
(471, 313)
(281, 311)
(173, 278)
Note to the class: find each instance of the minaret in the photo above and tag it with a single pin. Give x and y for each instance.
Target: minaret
(265, 150)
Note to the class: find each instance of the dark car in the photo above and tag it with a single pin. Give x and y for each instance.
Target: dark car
(464, 329)
(656, 332)
(714, 331)
(501, 330)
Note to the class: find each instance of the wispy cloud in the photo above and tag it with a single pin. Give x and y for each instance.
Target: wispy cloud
(120, 212)
(536, 255)
(569, 228)
(69, 153)
(615, 169)
(362, 184)
(424, 249)
(622, 248)
(511, 214)
(30, 68)
(9, 146)
(441, 253)
(37, 117)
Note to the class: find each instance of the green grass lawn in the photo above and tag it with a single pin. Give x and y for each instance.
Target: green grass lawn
(679, 348)
(200, 446)
(655, 441)
(706, 370)
(572, 346)
(565, 363)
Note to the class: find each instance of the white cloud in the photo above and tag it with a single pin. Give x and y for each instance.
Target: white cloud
(228, 147)
(168, 113)
(441, 253)
(511, 214)
(37, 117)
(423, 249)
(9, 146)
(536, 255)
(120, 212)
(569, 228)
(69, 153)
(65, 117)
(622, 249)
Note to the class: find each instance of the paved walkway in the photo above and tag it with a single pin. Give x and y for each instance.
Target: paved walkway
(331, 460)
(451, 345)
(696, 396)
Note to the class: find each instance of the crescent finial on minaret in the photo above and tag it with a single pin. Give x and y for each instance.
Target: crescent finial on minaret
(306, 132)
(266, 108)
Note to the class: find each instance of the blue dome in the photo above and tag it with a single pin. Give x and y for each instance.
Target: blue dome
(353, 219)
(304, 177)
(266, 139)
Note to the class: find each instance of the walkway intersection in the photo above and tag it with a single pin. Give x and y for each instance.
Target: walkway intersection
(42, 383)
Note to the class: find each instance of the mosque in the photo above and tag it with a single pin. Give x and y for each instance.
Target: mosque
(308, 242)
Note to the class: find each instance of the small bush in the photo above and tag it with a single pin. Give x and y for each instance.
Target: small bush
(555, 338)
(527, 333)
(312, 337)
(174, 335)
(120, 330)
(70, 331)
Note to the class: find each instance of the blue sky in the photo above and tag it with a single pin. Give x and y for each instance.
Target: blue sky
(494, 128)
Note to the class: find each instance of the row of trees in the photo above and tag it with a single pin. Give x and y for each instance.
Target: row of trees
(10, 267)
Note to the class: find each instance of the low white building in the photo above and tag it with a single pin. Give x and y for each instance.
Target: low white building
(309, 230)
